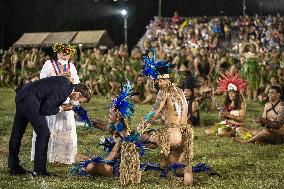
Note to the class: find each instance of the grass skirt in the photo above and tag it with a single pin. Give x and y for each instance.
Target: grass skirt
(251, 73)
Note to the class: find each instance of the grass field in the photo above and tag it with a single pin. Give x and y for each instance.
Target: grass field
(241, 166)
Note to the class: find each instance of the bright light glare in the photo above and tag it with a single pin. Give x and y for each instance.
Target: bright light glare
(123, 12)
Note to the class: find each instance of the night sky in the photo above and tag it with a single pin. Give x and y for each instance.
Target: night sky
(20, 16)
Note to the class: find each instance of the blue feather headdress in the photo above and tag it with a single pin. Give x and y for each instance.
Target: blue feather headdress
(153, 69)
(123, 101)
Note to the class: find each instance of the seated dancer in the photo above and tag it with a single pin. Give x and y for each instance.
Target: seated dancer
(121, 156)
(263, 96)
(176, 137)
(188, 86)
(204, 95)
(139, 90)
(272, 118)
(233, 113)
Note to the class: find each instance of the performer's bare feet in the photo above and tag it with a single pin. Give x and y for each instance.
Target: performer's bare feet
(81, 157)
(188, 176)
(90, 168)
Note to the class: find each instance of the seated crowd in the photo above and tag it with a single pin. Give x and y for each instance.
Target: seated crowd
(202, 48)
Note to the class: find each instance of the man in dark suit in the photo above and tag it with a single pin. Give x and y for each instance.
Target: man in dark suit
(34, 101)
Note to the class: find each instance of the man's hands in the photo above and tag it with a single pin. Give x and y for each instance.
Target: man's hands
(68, 75)
(66, 107)
(259, 120)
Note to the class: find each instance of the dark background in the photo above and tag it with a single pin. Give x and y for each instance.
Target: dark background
(20, 16)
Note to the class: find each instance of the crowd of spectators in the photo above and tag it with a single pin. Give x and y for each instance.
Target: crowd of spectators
(204, 47)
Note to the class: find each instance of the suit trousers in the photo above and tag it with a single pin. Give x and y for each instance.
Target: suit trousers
(27, 110)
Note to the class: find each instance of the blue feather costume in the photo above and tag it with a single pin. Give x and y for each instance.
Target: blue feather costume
(153, 68)
(123, 104)
(123, 101)
(83, 116)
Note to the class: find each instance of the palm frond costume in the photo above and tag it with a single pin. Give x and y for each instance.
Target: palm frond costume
(251, 72)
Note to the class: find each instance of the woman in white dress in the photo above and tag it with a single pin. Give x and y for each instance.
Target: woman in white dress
(62, 146)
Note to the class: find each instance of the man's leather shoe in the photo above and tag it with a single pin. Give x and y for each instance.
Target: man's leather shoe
(42, 174)
(18, 171)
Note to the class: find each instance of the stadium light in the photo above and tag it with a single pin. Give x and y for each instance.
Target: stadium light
(124, 14)
(244, 7)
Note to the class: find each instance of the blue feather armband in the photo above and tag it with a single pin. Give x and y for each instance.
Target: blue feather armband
(149, 116)
(83, 115)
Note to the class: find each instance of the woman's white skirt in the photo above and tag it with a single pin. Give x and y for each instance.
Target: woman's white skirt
(62, 146)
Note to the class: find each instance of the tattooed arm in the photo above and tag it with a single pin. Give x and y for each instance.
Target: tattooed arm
(275, 125)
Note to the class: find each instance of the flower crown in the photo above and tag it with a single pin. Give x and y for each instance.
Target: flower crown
(64, 48)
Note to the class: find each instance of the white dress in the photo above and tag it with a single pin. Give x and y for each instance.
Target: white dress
(62, 146)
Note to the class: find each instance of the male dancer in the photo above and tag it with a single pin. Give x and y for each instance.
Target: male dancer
(272, 118)
(176, 137)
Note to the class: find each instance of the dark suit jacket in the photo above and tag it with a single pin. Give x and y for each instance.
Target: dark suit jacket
(50, 92)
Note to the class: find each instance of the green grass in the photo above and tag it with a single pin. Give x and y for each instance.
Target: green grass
(241, 166)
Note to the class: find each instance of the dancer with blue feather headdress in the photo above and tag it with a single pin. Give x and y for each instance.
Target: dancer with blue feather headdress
(122, 147)
(175, 139)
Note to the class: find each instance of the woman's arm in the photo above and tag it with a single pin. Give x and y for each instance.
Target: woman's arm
(45, 71)
(74, 74)
(242, 49)
(240, 118)
(114, 152)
